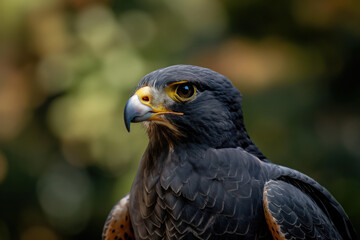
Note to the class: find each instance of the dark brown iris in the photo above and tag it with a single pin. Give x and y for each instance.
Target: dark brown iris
(185, 90)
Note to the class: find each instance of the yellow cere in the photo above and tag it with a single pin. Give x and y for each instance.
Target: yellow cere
(145, 98)
(144, 95)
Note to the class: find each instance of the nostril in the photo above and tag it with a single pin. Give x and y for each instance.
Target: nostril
(145, 98)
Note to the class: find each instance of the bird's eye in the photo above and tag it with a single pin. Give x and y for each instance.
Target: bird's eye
(185, 91)
(181, 91)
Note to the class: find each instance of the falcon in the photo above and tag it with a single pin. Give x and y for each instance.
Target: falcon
(202, 177)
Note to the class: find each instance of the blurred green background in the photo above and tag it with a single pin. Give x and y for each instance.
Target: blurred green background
(68, 67)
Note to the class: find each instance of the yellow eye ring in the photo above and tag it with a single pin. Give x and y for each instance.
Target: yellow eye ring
(182, 91)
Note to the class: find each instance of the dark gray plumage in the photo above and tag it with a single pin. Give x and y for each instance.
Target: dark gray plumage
(202, 177)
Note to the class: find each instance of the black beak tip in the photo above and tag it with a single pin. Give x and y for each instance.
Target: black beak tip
(127, 118)
(127, 124)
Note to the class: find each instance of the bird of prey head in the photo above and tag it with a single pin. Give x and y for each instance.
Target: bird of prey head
(191, 104)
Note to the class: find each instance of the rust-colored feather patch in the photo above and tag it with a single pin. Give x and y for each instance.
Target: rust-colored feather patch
(118, 225)
(270, 220)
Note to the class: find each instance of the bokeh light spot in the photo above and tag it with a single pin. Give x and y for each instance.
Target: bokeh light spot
(38, 233)
(139, 25)
(3, 167)
(64, 192)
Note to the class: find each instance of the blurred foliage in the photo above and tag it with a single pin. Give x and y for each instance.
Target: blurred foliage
(67, 68)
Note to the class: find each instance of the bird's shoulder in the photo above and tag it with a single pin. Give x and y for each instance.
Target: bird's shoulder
(289, 188)
(292, 214)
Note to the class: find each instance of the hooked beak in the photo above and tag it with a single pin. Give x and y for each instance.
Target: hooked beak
(139, 108)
